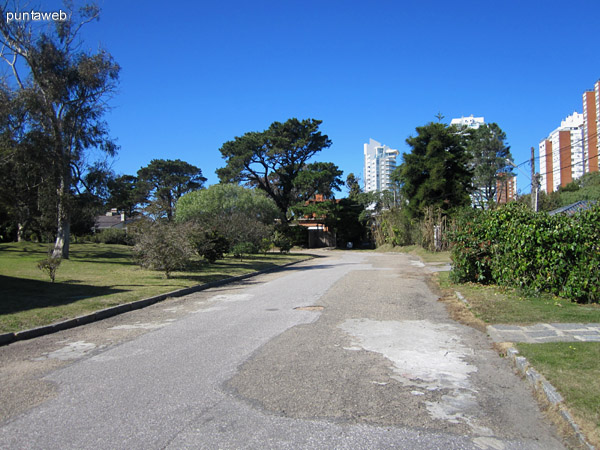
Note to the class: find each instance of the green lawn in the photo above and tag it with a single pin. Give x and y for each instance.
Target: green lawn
(494, 304)
(95, 277)
(574, 369)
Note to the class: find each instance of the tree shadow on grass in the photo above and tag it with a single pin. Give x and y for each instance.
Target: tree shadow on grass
(199, 278)
(123, 262)
(20, 294)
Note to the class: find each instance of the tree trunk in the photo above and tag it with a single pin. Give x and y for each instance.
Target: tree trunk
(63, 233)
(63, 238)
(23, 224)
(20, 232)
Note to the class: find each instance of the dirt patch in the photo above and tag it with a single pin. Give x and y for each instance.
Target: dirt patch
(502, 347)
(460, 312)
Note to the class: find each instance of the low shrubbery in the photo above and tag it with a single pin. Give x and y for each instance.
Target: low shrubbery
(395, 227)
(242, 249)
(282, 241)
(210, 244)
(165, 247)
(113, 236)
(169, 246)
(514, 246)
(50, 266)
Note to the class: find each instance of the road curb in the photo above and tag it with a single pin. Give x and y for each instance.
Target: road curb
(543, 386)
(8, 338)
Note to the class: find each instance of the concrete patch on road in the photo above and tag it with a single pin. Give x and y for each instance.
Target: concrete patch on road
(230, 298)
(216, 302)
(209, 309)
(138, 325)
(72, 350)
(426, 355)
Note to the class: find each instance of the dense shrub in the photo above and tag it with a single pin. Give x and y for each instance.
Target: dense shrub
(113, 236)
(210, 244)
(164, 246)
(241, 249)
(298, 236)
(395, 227)
(265, 245)
(472, 247)
(514, 246)
(235, 213)
(283, 242)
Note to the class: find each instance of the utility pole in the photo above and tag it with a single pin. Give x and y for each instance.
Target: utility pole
(534, 184)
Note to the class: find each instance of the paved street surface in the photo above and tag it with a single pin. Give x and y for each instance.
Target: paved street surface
(351, 350)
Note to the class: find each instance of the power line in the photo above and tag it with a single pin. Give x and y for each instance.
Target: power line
(562, 148)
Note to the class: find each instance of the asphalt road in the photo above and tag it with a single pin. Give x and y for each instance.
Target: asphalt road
(350, 350)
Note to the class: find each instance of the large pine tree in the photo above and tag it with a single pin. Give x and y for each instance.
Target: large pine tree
(436, 172)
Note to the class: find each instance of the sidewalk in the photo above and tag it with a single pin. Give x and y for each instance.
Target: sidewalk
(546, 332)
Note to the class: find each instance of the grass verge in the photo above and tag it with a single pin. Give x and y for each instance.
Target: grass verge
(495, 304)
(96, 276)
(417, 250)
(574, 369)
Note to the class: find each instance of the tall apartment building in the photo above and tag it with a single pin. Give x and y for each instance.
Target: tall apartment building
(591, 127)
(469, 122)
(380, 162)
(506, 188)
(562, 154)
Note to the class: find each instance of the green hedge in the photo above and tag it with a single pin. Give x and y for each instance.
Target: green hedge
(514, 246)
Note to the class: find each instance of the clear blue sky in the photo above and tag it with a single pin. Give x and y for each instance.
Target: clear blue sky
(196, 74)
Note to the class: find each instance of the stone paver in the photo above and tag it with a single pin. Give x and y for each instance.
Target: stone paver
(546, 332)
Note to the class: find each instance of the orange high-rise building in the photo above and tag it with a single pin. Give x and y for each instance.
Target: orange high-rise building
(591, 127)
(506, 188)
(561, 154)
(572, 149)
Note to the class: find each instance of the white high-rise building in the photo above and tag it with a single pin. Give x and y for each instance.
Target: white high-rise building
(380, 162)
(469, 122)
(562, 154)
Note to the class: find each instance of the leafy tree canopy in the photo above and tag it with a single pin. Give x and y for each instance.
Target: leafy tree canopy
(318, 178)
(125, 194)
(165, 181)
(64, 90)
(489, 155)
(273, 159)
(353, 185)
(224, 200)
